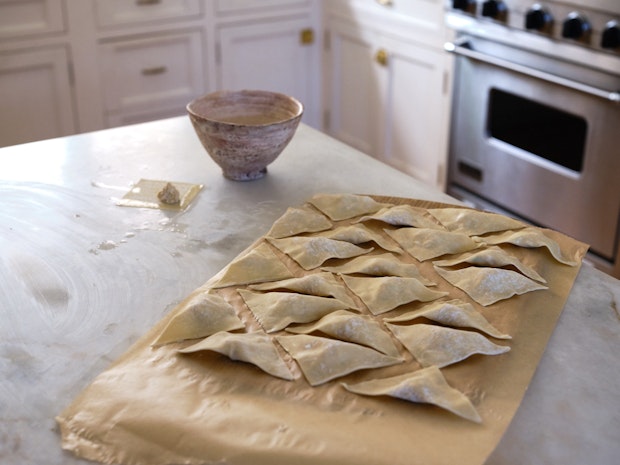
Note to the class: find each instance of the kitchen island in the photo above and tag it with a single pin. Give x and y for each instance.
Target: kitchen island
(82, 278)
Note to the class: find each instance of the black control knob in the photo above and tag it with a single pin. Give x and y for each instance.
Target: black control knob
(575, 26)
(495, 9)
(468, 6)
(538, 19)
(611, 35)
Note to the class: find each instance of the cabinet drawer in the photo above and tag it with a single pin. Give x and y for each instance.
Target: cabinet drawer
(152, 73)
(112, 13)
(20, 18)
(234, 6)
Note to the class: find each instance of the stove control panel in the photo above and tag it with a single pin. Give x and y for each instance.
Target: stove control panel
(589, 23)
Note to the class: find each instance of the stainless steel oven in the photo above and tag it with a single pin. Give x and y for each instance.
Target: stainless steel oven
(536, 115)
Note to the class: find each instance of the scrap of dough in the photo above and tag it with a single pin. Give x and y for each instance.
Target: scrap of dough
(439, 346)
(360, 234)
(382, 294)
(276, 310)
(489, 285)
(344, 206)
(256, 348)
(321, 284)
(427, 386)
(529, 238)
(351, 327)
(380, 265)
(322, 359)
(258, 265)
(312, 252)
(403, 215)
(202, 315)
(474, 222)
(455, 313)
(424, 244)
(297, 221)
(494, 257)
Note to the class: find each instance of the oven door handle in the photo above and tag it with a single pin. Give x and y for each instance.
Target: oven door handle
(464, 49)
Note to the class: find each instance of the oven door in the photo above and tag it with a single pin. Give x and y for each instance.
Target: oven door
(542, 147)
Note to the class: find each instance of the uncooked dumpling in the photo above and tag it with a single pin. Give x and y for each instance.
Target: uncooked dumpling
(360, 234)
(256, 348)
(403, 215)
(530, 238)
(276, 310)
(351, 327)
(382, 294)
(436, 345)
(297, 221)
(425, 244)
(258, 265)
(311, 252)
(493, 257)
(474, 222)
(321, 284)
(427, 386)
(489, 285)
(202, 315)
(322, 359)
(380, 265)
(344, 206)
(455, 313)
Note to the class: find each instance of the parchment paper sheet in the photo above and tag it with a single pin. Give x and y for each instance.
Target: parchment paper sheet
(154, 406)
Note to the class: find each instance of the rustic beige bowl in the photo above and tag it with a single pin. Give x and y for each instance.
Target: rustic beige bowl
(243, 131)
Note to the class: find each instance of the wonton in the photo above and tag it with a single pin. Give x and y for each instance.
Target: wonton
(425, 244)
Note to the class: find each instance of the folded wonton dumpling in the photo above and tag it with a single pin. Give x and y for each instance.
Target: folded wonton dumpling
(380, 265)
(276, 310)
(258, 265)
(493, 257)
(530, 238)
(436, 345)
(425, 244)
(382, 294)
(489, 285)
(204, 314)
(360, 234)
(351, 327)
(427, 386)
(345, 206)
(256, 348)
(322, 359)
(321, 284)
(474, 222)
(311, 252)
(297, 221)
(403, 215)
(455, 313)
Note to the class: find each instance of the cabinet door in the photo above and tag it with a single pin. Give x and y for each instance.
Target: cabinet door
(416, 119)
(36, 96)
(280, 56)
(356, 86)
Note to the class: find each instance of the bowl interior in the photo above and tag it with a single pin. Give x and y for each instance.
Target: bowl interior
(246, 107)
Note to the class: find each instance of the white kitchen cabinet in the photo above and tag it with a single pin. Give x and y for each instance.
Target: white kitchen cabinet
(36, 95)
(116, 13)
(280, 55)
(386, 89)
(21, 18)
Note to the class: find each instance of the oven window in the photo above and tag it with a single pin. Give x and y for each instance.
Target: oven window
(545, 131)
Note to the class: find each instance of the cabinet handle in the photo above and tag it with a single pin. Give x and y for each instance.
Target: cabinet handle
(306, 36)
(381, 57)
(386, 3)
(147, 2)
(154, 70)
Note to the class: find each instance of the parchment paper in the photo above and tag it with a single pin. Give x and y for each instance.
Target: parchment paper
(154, 406)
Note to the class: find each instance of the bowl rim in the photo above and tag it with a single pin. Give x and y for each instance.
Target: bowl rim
(224, 92)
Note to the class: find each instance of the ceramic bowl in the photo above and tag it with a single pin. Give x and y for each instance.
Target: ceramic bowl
(244, 131)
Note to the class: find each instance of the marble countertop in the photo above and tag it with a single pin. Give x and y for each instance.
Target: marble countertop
(82, 278)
